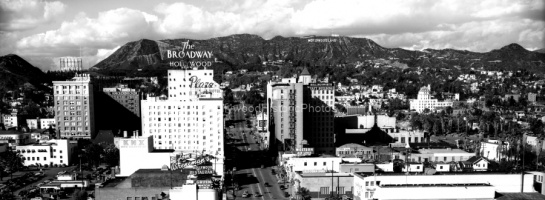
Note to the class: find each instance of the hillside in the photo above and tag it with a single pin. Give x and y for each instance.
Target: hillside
(316, 50)
(15, 72)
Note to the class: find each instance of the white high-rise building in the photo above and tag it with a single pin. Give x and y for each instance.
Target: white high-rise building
(424, 100)
(190, 119)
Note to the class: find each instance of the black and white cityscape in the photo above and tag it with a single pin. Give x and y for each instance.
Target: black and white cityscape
(268, 99)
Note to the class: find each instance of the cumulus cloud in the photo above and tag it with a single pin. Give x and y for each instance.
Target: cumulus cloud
(111, 28)
(18, 15)
(462, 24)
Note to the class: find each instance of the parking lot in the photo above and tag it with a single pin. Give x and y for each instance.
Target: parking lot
(27, 179)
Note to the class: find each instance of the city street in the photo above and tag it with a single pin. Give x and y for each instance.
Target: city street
(253, 170)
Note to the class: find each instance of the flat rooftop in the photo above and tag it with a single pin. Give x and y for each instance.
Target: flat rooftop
(442, 151)
(323, 174)
(435, 185)
(365, 174)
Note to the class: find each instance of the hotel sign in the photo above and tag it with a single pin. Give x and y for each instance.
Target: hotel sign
(133, 143)
(304, 151)
(196, 83)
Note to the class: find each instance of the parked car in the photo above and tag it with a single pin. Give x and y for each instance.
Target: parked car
(245, 194)
(257, 194)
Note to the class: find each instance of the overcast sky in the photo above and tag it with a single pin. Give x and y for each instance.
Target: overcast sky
(41, 31)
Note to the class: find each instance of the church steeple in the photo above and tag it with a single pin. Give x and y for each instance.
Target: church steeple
(305, 77)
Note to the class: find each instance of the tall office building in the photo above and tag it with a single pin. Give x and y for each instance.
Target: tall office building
(190, 119)
(74, 107)
(71, 63)
(319, 117)
(284, 106)
(125, 96)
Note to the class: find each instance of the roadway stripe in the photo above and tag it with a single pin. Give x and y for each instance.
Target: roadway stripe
(260, 191)
(263, 177)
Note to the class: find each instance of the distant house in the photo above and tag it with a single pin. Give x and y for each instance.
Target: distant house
(441, 166)
(475, 163)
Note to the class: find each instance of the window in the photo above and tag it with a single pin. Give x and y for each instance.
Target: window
(305, 163)
(315, 163)
(324, 190)
(372, 183)
(366, 183)
(129, 198)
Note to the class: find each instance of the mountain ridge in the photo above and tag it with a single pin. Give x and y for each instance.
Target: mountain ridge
(16, 72)
(241, 49)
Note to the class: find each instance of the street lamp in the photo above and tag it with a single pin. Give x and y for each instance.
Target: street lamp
(80, 171)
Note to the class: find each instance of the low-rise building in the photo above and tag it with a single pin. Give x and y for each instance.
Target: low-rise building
(444, 155)
(322, 185)
(47, 153)
(138, 153)
(313, 164)
(45, 123)
(494, 149)
(475, 163)
(356, 167)
(14, 138)
(354, 150)
(150, 184)
(393, 186)
(32, 123)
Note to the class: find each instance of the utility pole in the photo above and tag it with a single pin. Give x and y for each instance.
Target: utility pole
(331, 180)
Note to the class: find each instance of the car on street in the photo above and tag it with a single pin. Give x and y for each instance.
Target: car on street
(245, 194)
(282, 187)
(257, 194)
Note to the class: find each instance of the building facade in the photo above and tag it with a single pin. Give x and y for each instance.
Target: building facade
(190, 119)
(285, 109)
(71, 63)
(319, 117)
(74, 107)
(127, 97)
(50, 153)
(46, 123)
(424, 101)
(447, 186)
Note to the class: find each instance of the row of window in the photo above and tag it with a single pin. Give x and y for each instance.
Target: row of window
(179, 107)
(71, 108)
(339, 190)
(38, 158)
(71, 113)
(71, 87)
(66, 103)
(75, 128)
